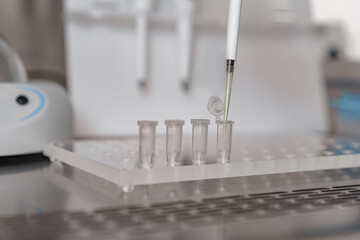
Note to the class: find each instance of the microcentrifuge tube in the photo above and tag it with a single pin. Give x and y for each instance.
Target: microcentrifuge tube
(199, 140)
(224, 138)
(147, 133)
(174, 130)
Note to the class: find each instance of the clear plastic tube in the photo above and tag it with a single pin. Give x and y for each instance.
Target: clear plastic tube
(224, 140)
(199, 140)
(174, 130)
(147, 133)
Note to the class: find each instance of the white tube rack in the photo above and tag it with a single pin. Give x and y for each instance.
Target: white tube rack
(117, 160)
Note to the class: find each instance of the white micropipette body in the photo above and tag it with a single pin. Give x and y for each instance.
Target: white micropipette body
(233, 29)
(231, 49)
(185, 31)
(142, 7)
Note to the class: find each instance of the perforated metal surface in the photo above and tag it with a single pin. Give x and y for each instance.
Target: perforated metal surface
(184, 215)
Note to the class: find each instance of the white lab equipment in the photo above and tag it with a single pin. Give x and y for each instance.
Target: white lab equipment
(32, 115)
(185, 25)
(142, 7)
(13, 61)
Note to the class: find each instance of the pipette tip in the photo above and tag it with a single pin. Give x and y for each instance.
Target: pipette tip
(185, 84)
(142, 83)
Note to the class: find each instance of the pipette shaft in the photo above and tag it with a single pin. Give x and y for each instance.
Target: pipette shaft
(231, 49)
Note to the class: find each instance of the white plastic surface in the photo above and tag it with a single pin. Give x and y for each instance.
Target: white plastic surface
(47, 117)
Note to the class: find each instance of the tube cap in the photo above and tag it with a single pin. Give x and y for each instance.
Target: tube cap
(223, 122)
(200, 121)
(174, 122)
(147, 123)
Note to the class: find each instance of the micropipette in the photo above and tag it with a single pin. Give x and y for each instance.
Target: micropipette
(231, 49)
(185, 27)
(143, 8)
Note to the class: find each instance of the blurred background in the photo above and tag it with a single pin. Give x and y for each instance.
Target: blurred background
(124, 60)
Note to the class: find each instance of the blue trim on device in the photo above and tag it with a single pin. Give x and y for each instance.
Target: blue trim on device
(41, 105)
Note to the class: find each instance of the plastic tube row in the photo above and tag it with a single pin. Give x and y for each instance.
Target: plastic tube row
(174, 129)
